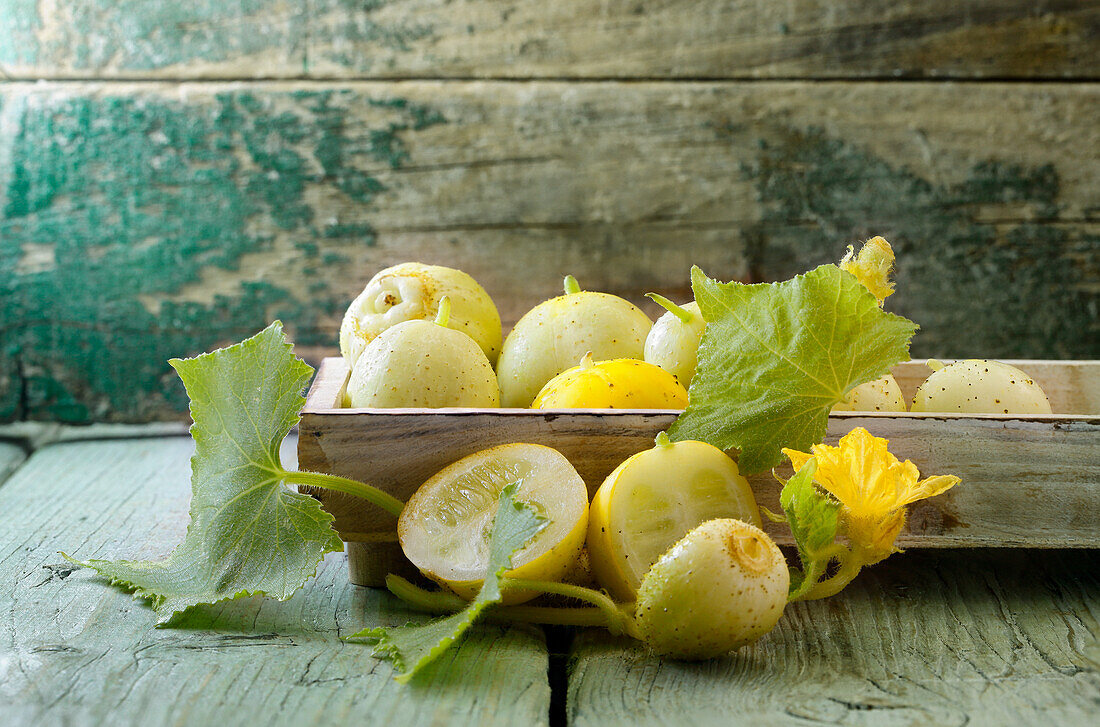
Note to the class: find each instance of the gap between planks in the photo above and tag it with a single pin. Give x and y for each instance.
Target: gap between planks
(580, 80)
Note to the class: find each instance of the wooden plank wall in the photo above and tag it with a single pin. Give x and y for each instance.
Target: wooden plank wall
(173, 176)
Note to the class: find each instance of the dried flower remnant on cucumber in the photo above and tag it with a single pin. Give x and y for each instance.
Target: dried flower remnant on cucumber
(423, 364)
(413, 291)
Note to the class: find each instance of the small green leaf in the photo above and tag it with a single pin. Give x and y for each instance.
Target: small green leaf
(811, 514)
(412, 647)
(776, 357)
(249, 533)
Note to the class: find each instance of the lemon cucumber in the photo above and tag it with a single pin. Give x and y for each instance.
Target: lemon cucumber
(979, 386)
(444, 528)
(618, 384)
(555, 334)
(423, 364)
(652, 500)
(413, 291)
(673, 342)
(882, 394)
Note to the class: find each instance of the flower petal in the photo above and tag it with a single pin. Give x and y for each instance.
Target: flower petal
(886, 532)
(798, 459)
(929, 487)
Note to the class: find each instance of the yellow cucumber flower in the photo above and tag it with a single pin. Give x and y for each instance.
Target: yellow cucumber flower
(872, 267)
(872, 486)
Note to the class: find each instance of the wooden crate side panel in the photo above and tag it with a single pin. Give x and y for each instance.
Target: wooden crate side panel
(146, 221)
(1024, 484)
(399, 452)
(566, 39)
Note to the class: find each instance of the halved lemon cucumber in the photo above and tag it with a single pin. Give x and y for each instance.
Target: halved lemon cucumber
(652, 500)
(444, 528)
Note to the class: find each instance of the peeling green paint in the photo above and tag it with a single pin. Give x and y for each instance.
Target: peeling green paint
(119, 211)
(140, 197)
(19, 23)
(354, 25)
(978, 285)
(147, 36)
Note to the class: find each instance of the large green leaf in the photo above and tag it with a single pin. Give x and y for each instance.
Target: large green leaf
(412, 647)
(249, 532)
(775, 357)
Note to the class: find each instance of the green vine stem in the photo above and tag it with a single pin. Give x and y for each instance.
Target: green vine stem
(816, 568)
(422, 599)
(671, 307)
(604, 612)
(571, 285)
(618, 619)
(851, 563)
(371, 494)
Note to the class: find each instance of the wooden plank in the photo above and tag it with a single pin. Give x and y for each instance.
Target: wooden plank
(77, 651)
(951, 638)
(1046, 466)
(145, 221)
(1047, 469)
(11, 457)
(32, 435)
(567, 39)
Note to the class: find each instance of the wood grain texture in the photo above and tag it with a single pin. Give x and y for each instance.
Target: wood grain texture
(1047, 467)
(11, 457)
(145, 221)
(75, 651)
(530, 39)
(977, 638)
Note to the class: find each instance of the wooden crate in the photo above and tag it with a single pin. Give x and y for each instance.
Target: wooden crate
(1026, 481)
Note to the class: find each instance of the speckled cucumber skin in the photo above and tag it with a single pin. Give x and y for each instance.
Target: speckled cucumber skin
(979, 386)
(624, 383)
(722, 586)
(673, 344)
(554, 336)
(422, 364)
(882, 394)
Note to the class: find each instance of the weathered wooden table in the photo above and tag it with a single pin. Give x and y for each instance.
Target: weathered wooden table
(947, 637)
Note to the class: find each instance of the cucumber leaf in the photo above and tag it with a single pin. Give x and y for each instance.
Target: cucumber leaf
(776, 357)
(249, 533)
(412, 647)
